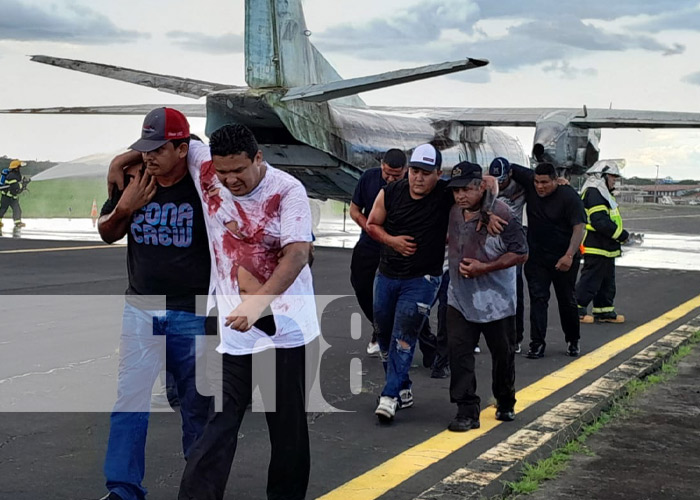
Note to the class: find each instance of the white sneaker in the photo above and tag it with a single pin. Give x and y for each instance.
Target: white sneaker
(477, 350)
(373, 349)
(405, 398)
(386, 409)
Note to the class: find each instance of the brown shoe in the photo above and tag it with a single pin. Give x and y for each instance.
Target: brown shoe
(586, 318)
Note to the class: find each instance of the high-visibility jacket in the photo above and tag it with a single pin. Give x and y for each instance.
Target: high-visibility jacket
(604, 231)
(13, 179)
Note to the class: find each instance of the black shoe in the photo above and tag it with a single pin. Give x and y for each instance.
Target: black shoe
(463, 424)
(111, 496)
(506, 415)
(440, 372)
(573, 349)
(535, 352)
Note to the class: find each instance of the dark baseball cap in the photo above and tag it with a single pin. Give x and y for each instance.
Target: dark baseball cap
(499, 168)
(160, 126)
(464, 173)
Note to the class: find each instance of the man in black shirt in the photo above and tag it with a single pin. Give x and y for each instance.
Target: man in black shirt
(365, 255)
(409, 219)
(168, 257)
(556, 223)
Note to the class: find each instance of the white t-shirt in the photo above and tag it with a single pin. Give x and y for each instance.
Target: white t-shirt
(246, 233)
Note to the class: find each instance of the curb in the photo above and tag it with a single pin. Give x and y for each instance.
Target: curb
(484, 476)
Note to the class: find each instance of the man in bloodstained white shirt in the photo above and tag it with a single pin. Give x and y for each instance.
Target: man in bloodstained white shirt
(259, 224)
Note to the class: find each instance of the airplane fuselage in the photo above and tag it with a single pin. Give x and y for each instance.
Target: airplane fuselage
(329, 145)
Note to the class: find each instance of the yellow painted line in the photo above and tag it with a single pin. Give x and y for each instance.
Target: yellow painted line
(386, 476)
(59, 249)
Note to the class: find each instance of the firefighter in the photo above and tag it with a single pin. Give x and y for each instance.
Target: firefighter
(601, 245)
(11, 185)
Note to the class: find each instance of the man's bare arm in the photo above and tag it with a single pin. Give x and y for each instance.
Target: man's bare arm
(357, 216)
(115, 173)
(566, 260)
(139, 192)
(471, 268)
(375, 228)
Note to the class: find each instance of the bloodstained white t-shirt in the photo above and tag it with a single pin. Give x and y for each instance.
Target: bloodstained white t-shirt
(247, 233)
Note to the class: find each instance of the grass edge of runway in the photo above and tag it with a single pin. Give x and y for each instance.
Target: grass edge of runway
(534, 475)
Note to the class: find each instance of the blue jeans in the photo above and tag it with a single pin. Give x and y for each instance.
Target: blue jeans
(401, 307)
(141, 355)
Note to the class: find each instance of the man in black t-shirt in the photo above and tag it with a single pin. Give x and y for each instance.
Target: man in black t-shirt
(409, 219)
(168, 257)
(365, 255)
(556, 223)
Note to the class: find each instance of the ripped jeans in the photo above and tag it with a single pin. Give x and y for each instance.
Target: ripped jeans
(401, 307)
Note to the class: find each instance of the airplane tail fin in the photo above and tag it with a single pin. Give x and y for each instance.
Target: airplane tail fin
(278, 52)
(279, 55)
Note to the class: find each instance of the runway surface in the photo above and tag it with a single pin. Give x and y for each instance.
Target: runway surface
(60, 316)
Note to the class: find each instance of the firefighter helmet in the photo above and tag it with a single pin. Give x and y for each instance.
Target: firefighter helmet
(607, 167)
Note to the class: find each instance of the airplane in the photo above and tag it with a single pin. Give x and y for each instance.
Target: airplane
(311, 123)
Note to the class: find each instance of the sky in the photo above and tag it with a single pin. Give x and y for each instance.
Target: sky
(629, 54)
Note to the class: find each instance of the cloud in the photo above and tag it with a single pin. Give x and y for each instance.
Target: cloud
(685, 19)
(591, 9)
(546, 32)
(200, 42)
(567, 71)
(693, 78)
(570, 31)
(74, 24)
(478, 75)
(416, 26)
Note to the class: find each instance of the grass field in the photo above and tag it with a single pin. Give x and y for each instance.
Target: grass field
(62, 197)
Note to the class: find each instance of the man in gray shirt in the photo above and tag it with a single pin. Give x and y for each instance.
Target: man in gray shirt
(513, 194)
(481, 297)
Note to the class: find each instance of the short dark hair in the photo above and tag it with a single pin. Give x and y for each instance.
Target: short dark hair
(233, 140)
(177, 142)
(546, 169)
(395, 158)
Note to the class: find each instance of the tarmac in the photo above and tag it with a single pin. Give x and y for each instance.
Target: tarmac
(650, 452)
(50, 451)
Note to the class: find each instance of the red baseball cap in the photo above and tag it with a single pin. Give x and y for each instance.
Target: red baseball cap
(160, 126)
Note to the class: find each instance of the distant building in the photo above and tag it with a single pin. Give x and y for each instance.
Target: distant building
(679, 194)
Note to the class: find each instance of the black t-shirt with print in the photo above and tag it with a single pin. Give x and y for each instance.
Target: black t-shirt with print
(168, 251)
(425, 220)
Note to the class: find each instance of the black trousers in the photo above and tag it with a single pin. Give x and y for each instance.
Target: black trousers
(520, 305)
(209, 464)
(597, 283)
(540, 274)
(13, 203)
(363, 268)
(463, 336)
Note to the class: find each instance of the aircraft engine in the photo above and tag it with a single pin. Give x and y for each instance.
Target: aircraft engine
(568, 148)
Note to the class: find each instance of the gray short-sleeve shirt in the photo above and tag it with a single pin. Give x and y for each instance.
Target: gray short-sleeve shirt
(492, 296)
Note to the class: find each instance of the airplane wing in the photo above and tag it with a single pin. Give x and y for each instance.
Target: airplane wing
(187, 87)
(191, 110)
(342, 88)
(576, 117)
